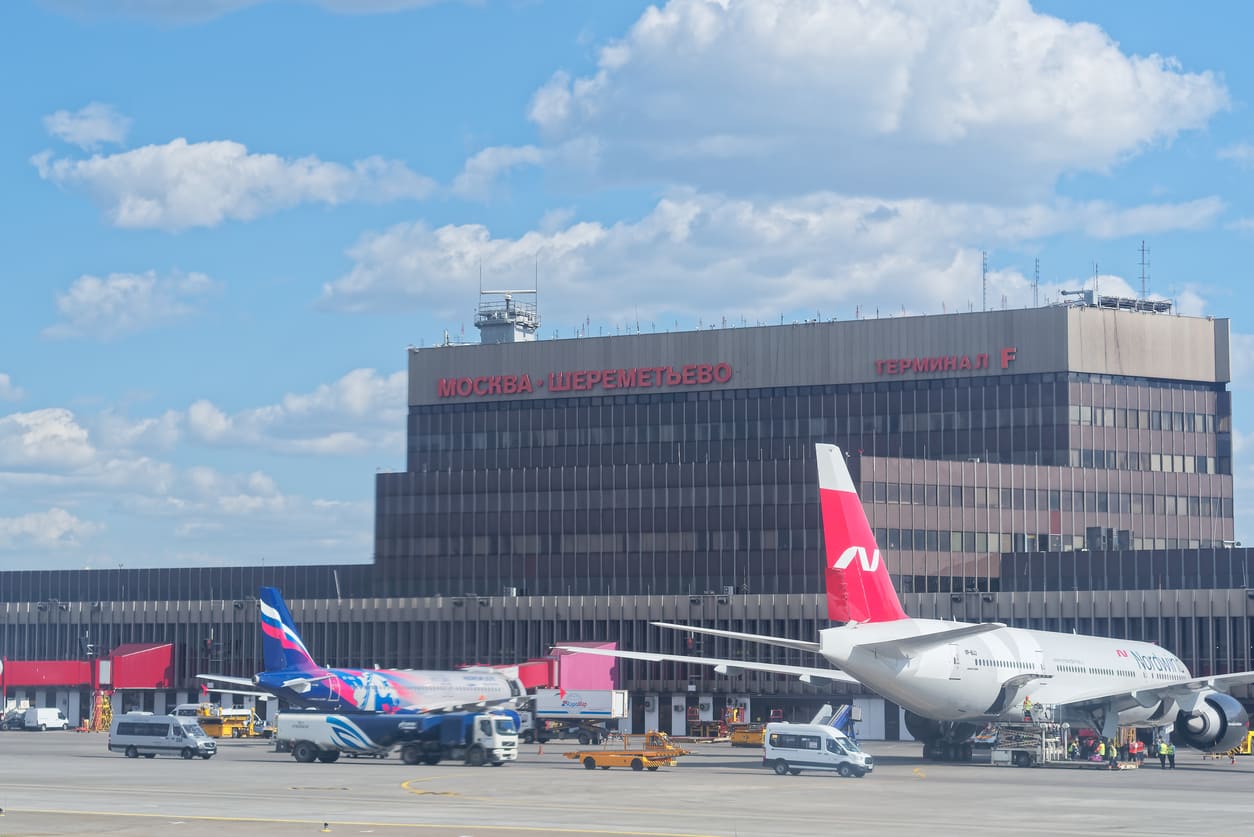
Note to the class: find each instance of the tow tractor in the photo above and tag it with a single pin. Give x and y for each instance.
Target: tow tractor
(639, 752)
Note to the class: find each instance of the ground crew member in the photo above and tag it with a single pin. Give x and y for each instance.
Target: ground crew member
(1101, 749)
(1171, 755)
(1162, 754)
(1027, 709)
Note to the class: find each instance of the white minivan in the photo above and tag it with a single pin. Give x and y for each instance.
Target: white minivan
(143, 734)
(45, 717)
(791, 748)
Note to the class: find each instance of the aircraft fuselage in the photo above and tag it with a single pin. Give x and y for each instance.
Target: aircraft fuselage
(986, 676)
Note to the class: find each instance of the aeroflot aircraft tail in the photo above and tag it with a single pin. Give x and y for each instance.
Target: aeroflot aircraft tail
(281, 643)
(859, 588)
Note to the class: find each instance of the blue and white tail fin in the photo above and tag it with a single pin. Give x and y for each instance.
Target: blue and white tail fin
(280, 641)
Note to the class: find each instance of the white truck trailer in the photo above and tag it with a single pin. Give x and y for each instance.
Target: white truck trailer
(584, 714)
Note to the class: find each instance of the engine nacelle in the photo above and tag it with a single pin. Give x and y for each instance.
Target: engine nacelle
(925, 729)
(922, 729)
(1218, 724)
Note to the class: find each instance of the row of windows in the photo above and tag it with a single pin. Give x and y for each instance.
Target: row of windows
(947, 540)
(976, 497)
(1176, 421)
(1167, 462)
(792, 428)
(784, 496)
(762, 540)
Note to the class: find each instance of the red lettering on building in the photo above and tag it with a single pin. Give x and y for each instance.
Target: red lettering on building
(584, 380)
(942, 363)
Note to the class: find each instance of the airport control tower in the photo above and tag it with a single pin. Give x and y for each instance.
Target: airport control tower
(503, 319)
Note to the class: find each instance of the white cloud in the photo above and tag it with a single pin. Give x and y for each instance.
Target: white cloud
(362, 411)
(482, 170)
(125, 303)
(986, 97)
(53, 528)
(90, 126)
(48, 438)
(822, 251)
(184, 12)
(181, 184)
(1241, 153)
(8, 390)
(1241, 347)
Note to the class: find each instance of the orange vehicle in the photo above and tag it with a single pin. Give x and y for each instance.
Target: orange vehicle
(639, 752)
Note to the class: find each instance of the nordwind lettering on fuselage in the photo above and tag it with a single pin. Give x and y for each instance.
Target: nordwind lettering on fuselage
(1153, 662)
(870, 563)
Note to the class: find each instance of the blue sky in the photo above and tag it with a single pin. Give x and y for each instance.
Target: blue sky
(223, 221)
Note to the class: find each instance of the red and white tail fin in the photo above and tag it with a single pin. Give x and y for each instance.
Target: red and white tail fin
(859, 588)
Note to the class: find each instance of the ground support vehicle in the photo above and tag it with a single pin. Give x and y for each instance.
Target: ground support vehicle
(792, 748)
(144, 734)
(1028, 745)
(747, 735)
(582, 714)
(639, 752)
(475, 738)
(224, 721)
(45, 718)
(487, 738)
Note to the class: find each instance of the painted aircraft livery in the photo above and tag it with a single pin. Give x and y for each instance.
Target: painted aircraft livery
(954, 677)
(292, 675)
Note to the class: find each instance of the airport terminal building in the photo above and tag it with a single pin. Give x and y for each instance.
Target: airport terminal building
(1063, 468)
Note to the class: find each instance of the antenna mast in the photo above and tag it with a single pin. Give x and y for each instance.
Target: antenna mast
(983, 280)
(1144, 270)
(1036, 283)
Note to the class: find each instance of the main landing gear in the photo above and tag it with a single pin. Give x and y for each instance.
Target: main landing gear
(942, 740)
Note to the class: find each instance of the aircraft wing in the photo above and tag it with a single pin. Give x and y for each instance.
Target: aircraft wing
(913, 644)
(211, 679)
(720, 666)
(800, 644)
(1182, 691)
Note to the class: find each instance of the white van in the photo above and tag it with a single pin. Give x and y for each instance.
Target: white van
(791, 748)
(45, 717)
(144, 734)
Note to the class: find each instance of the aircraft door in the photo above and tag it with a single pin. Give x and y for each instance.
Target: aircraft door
(955, 672)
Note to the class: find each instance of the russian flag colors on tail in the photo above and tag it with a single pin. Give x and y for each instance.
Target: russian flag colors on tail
(281, 644)
(859, 588)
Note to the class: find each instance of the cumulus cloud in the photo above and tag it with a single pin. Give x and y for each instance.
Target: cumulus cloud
(53, 528)
(179, 12)
(90, 126)
(362, 411)
(481, 171)
(48, 438)
(125, 303)
(824, 250)
(8, 390)
(912, 96)
(180, 184)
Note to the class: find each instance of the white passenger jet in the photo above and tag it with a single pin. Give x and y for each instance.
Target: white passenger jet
(952, 678)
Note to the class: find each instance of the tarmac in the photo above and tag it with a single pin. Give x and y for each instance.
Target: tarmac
(67, 783)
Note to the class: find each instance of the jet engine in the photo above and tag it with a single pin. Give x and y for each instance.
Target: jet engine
(925, 729)
(1218, 723)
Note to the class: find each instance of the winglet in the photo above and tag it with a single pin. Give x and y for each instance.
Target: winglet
(859, 588)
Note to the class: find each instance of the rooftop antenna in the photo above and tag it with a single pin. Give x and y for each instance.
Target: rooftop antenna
(1036, 283)
(1144, 270)
(1096, 289)
(983, 280)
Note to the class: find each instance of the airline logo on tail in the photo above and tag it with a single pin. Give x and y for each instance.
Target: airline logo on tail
(859, 588)
(869, 565)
